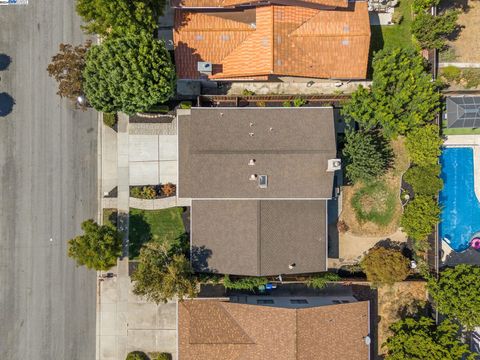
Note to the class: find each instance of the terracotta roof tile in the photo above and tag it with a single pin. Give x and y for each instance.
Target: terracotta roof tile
(334, 332)
(278, 40)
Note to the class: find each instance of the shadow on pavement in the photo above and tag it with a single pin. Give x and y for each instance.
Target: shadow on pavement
(6, 104)
(5, 61)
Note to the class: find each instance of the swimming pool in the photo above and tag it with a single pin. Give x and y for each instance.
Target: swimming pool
(460, 217)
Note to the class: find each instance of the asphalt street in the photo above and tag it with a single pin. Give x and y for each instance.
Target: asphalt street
(47, 188)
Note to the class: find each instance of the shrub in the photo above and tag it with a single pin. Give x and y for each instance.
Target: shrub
(456, 294)
(423, 339)
(342, 226)
(424, 179)
(110, 119)
(418, 219)
(246, 92)
(472, 78)
(137, 355)
(261, 104)
(375, 203)
(168, 189)
(287, 103)
(143, 192)
(423, 145)
(367, 155)
(452, 73)
(322, 280)
(246, 283)
(385, 266)
(186, 105)
(161, 356)
(98, 248)
(423, 5)
(299, 102)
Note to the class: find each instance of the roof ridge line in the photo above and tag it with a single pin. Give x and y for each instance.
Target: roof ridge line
(236, 323)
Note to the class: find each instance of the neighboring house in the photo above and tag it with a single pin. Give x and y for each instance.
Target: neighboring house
(267, 40)
(463, 111)
(292, 328)
(259, 180)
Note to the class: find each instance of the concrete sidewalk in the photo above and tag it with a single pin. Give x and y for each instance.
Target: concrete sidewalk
(127, 323)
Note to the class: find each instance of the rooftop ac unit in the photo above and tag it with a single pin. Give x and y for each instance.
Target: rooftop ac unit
(204, 67)
(334, 165)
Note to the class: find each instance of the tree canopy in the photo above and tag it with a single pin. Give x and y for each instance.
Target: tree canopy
(98, 248)
(129, 74)
(418, 219)
(424, 180)
(120, 17)
(67, 69)
(367, 155)
(423, 145)
(163, 274)
(456, 294)
(385, 266)
(432, 31)
(402, 96)
(423, 340)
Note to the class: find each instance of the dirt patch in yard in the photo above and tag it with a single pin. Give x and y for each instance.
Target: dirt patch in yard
(397, 301)
(467, 45)
(392, 180)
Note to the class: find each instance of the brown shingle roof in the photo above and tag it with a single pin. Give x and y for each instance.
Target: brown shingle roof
(274, 40)
(334, 332)
(289, 145)
(248, 237)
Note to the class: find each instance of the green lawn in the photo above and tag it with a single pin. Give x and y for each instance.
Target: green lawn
(110, 217)
(390, 36)
(156, 225)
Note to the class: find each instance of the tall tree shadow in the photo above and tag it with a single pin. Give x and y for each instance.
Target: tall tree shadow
(139, 234)
(5, 61)
(6, 104)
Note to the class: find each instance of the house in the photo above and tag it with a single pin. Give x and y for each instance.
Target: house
(463, 111)
(274, 327)
(259, 180)
(268, 40)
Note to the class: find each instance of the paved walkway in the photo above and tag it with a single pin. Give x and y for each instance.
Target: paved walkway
(459, 65)
(123, 180)
(127, 323)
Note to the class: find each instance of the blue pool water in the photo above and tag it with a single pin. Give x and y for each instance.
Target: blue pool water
(460, 218)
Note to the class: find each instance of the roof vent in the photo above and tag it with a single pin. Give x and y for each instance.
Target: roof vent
(262, 181)
(253, 177)
(251, 162)
(334, 165)
(291, 266)
(204, 67)
(251, 134)
(367, 340)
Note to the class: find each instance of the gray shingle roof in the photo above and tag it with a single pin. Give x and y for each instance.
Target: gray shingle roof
(463, 111)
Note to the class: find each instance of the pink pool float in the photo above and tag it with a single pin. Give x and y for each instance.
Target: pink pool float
(475, 243)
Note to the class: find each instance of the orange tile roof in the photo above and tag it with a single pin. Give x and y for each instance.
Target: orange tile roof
(220, 330)
(274, 40)
(233, 3)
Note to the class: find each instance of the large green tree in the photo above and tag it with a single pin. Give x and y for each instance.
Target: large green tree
(456, 294)
(120, 17)
(367, 155)
(402, 96)
(423, 145)
(128, 74)
(422, 339)
(432, 31)
(418, 219)
(163, 274)
(385, 266)
(98, 248)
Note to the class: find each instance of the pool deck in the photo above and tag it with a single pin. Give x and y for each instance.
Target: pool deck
(469, 256)
(472, 141)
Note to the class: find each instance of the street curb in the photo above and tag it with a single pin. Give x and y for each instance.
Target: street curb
(100, 221)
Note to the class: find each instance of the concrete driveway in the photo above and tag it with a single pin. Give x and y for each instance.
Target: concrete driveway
(152, 159)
